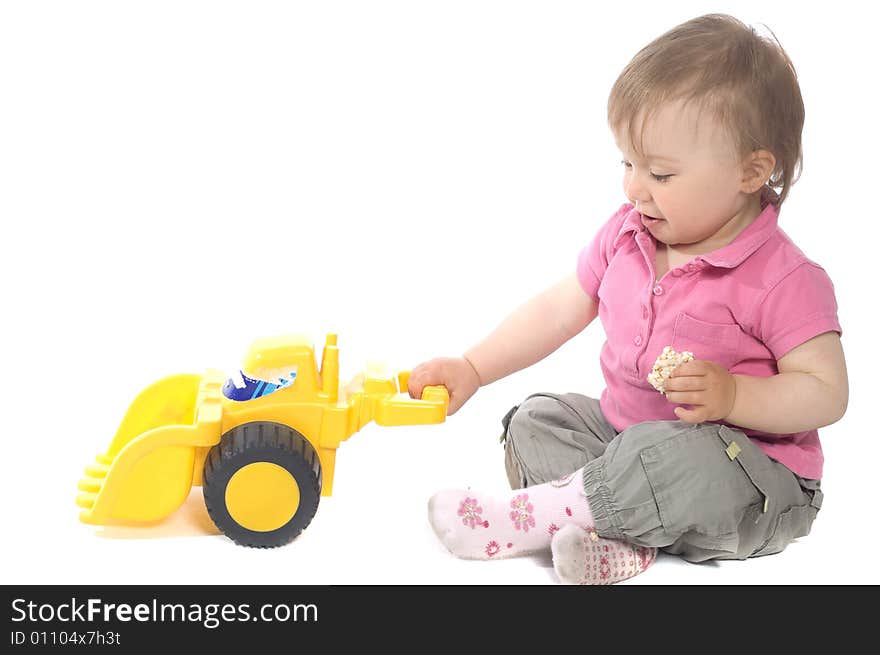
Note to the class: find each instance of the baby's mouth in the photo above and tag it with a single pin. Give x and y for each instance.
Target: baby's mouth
(650, 221)
(646, 215)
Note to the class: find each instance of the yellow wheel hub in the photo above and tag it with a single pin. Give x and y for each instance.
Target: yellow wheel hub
(262, 496)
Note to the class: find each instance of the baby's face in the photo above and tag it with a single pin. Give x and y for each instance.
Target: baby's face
(688, 183)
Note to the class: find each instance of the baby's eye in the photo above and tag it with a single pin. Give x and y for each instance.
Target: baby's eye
(661, 178)
(625, 163)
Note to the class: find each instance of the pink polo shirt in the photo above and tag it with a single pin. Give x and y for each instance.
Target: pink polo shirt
(743, 306)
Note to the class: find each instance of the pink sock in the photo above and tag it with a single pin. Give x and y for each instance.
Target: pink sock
(473, 525)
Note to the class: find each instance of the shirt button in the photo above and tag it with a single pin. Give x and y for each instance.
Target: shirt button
(638, 340)
(644, 312)
(658, 290)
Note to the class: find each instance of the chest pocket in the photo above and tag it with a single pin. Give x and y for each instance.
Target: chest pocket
(716, 342)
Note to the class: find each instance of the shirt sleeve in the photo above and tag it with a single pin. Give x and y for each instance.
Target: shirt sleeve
(593, 260)
(799, 307)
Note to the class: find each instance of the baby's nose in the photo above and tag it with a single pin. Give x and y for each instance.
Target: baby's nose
(637, 192)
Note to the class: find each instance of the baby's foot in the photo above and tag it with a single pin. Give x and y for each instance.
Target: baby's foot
(474, 525)
(583, 557)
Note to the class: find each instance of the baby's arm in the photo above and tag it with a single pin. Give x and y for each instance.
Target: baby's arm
(530, 333)
(534, 330)
(810, 391)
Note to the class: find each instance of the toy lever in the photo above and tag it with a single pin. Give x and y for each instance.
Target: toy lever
(402, 410)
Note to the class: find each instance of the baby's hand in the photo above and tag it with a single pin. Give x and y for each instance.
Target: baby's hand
(706, 386)
(455, 373)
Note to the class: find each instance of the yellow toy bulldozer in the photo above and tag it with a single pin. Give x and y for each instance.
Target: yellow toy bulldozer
(262, 445)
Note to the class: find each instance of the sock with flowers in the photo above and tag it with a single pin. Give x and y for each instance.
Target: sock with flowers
(474, 525)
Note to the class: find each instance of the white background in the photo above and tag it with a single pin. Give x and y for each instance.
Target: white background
(178, 178)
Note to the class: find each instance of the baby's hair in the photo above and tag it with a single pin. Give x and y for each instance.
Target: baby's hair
(723, 65)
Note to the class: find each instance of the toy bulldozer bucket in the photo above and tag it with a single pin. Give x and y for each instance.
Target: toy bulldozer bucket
(156, 441)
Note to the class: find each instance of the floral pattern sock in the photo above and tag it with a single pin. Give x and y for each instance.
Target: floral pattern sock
(583, 557)
(473, 525)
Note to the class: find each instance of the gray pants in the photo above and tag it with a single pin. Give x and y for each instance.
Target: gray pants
(703, 491)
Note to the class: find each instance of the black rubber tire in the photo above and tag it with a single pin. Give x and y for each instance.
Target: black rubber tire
(262, 441)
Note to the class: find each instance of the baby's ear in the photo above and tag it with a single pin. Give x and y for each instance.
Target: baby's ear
(757, 168)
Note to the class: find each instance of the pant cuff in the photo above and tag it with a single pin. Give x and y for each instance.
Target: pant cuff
(600, 500)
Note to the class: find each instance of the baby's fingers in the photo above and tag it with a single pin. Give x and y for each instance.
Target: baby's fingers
(689, 383)
(419, 378)
(695, 415)
(684, 397)
(693, 367)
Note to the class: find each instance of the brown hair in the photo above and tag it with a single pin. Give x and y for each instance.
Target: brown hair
(723, 65)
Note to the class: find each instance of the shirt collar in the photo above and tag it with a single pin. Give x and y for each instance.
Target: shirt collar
(734, 253)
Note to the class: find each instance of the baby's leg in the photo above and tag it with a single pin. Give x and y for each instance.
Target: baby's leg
(474, 525)
(545, 438)
(548, 436)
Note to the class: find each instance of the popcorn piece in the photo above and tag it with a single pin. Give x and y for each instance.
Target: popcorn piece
(664, 366)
